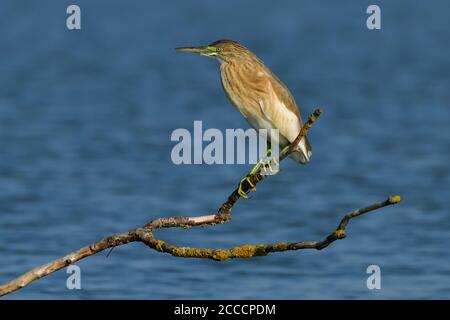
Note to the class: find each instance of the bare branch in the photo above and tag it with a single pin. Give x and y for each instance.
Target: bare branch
(145, 234)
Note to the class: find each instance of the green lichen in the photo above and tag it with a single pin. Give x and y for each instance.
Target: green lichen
(339, 233)
(159, 245)
(395, 199)
(221, 255)
(245, 251)
(282, 246)
(192, 252)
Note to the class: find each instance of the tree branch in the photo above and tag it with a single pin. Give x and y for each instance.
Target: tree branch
(145, 234)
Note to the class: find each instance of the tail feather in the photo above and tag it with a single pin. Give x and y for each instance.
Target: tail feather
(303, 153)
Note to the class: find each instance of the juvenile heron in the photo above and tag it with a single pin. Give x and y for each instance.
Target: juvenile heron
(258, 94)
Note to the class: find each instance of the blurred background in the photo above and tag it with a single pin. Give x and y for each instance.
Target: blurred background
(85, 124)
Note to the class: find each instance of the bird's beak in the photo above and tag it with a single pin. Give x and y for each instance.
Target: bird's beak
(204, 51)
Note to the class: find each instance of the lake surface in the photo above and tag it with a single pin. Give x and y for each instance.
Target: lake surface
(85, 124)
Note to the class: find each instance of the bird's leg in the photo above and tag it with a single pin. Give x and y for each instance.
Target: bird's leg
(253, 171)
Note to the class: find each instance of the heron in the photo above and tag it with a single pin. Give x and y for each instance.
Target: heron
(260, 96)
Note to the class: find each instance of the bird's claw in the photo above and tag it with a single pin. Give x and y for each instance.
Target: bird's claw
(241, 191)
(267, 169)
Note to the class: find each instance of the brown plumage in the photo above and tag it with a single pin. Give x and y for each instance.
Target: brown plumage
(258, 94)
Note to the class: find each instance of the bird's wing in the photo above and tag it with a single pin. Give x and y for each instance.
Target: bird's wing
(279, 107)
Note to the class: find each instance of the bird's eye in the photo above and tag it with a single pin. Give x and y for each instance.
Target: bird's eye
(218, 49)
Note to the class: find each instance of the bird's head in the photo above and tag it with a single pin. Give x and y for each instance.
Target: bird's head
(223, 50)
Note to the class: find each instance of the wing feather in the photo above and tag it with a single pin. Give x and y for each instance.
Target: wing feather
(278, 106)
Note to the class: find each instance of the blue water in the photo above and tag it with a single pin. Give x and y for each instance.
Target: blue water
(85, 124)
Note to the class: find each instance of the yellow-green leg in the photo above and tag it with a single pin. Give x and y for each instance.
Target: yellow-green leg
(253, 171)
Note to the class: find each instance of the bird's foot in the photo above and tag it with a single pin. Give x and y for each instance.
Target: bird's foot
(270, 167)
(241, 191)
(265, 166)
